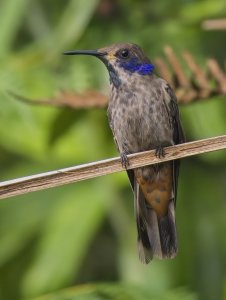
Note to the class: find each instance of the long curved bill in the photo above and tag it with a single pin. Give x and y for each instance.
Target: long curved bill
(85, 52)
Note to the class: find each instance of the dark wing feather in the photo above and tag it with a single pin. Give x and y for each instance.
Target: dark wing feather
(178, 134)
(130, 174)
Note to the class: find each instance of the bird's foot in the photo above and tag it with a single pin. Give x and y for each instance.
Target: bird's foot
(160, 152)
(124, 160)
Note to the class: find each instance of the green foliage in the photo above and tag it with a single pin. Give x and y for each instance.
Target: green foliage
(85, 232)
(115, 292)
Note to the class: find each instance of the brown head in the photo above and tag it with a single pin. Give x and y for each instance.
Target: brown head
(123, 58)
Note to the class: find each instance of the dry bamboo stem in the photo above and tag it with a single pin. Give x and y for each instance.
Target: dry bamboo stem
(82, 172)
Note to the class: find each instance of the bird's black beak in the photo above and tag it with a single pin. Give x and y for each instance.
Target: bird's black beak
(96, 53)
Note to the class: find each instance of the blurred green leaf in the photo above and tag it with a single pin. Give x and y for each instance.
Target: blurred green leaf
(205, 119)
(21, 219)
(11, 15)
(198, 10)
(72, 225)
(72, 24)
(63, 122)
(115, 292)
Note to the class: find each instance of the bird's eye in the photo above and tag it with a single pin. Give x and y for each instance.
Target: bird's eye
(124, 53)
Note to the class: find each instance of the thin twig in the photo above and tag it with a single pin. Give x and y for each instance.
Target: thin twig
(183, 80)
(185, 91)
(163, 70)
(89, 99)
(218, 24)
(218, 74)
(73, 174)
(202, 82)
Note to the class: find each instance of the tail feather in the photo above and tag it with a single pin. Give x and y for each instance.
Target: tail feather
(156, 235)
(167, 232)
(143, 240)
(153, 232)
(144, 248)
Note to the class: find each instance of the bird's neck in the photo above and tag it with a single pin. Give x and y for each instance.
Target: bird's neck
(135, 66)
(114, 77)
(124, 79)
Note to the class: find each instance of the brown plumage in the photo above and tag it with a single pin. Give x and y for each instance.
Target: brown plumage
(156, 187)
(143, 115)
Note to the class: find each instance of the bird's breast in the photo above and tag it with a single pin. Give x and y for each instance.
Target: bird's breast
(139, 120)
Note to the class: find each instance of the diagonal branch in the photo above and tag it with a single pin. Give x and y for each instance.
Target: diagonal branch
(73, 174)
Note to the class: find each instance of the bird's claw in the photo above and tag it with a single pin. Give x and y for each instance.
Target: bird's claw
(160, 152)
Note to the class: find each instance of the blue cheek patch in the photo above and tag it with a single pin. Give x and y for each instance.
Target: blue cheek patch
(134, 66)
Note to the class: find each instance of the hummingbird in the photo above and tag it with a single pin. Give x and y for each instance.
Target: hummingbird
(143, 115)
